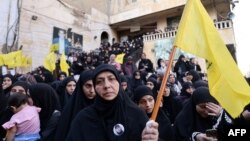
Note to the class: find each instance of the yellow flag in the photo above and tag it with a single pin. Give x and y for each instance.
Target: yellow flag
(29, 61)
(64, 65)
(1, 60)
(50, 62)
(18, 59)
(26, 61)
(119, 58)
(12, 59)
(198, 35)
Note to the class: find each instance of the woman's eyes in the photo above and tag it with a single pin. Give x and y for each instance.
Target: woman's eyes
(102, 81)
(98, 82)
(112, 78)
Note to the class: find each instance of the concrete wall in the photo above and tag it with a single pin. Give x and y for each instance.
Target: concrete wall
(100, 24)
(162, 23)
(87, 5)
(148, 49)
(140, 8)
(36, 35)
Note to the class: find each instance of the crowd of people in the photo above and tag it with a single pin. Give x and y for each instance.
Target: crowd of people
(103, 100)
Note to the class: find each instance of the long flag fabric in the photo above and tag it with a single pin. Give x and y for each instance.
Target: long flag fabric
(198, 35)
(50, 62)
(15, 59)
(119, 58)
(64, 65)
(1, 60)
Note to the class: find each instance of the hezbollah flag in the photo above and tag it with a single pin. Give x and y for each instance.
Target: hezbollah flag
(26, 61)
(13, 59)
(198, 35)
(50, 62)
(119, 58)
(64, 65)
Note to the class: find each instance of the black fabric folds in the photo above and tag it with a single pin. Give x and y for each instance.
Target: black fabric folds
(45, 97)
(78, 102)
(188, 120)
(96, 122)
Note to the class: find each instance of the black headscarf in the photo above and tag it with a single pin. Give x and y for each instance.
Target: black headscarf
(165, 129)
(136, 82)
(5, 113)
(45, 97)
(48, 77)
(64, 96)
(188, 120)
(13, 80)
(195, 74)
(185, 86)
(123, 78)
(102, 116)
(78, 102)
(23, 84)
(127, 91)
(141, 91)
(200, 83)
(156, 86)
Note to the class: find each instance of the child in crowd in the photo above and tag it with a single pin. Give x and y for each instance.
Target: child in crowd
(24, 124)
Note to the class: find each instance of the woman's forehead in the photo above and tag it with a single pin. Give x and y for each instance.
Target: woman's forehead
(17, 87)
(105, 74)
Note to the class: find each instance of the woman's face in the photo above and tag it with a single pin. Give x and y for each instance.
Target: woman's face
(137, 75)
(88, 89)
(17, 89)
(62, 77)
(107, 86)
(202, 110)
(146, 103)
(7, 82)
(124, 85)
(70, 87)
(150, 85)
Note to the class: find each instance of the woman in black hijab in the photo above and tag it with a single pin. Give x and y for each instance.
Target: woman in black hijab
(136, 80)
(45, 97)
(195, 118)
(65, 90)
(186, 93)
(145, 99)
(8, 80)
(83, 96)
(113, 116)
(181, 67)
(153, 85)
(5, 112)
(125, 86)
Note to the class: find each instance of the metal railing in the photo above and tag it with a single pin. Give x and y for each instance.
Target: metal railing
(169, 34)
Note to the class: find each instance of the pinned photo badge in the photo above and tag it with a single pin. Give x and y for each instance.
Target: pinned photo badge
(118, 129)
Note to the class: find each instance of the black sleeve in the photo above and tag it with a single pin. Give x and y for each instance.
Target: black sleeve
(75, 132)
(150, 66)
(49, 132)
(140, 66)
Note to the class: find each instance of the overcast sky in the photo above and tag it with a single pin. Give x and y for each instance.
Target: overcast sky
(242, 35)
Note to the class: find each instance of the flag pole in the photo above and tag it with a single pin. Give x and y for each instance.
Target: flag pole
(163, 84)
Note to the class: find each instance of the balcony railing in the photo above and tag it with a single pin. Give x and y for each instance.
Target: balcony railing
(223, 24)
(169, 34)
